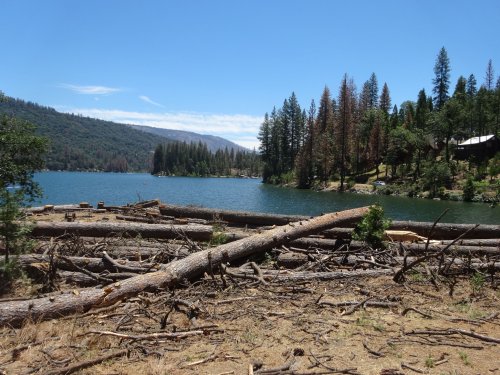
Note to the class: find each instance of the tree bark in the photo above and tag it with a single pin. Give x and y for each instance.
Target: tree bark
(14, 313)
(101, 229)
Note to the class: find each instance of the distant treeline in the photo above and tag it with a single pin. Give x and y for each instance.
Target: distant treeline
(194, 159)
(353, 133)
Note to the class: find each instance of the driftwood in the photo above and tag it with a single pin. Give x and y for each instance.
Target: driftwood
(105, 229)
(16, 312)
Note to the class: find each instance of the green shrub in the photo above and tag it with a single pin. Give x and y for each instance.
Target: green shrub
(371, 229)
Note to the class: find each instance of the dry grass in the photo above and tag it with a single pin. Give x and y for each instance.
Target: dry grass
(264, 323)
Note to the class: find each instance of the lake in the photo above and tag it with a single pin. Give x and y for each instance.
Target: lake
(244, 194)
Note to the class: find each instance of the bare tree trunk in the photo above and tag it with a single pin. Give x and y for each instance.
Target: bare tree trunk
(14, 313)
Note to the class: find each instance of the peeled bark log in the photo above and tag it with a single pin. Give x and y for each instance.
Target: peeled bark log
(100, 229)
(16, 312)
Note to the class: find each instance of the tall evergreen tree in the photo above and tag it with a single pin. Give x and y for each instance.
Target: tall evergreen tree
(343, 126)
(441, 80)
(385, 99)
(324, 135)
(373, 88)
(489, 78)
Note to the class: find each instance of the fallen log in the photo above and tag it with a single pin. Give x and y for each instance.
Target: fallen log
(239, 217)
(420, 248)
(104, 229)
(14, 313)
(447, 231)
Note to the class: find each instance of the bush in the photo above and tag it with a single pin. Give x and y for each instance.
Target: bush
(468, 194)
(371, 229)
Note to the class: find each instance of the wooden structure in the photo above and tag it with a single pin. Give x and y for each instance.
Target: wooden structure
(482, 147)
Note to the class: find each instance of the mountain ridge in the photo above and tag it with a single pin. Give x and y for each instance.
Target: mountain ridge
(88, 144)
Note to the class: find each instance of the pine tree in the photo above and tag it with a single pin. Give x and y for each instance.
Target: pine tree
(385, 100)
(489, 78)
(442, 79)
(324, 136)
(343, 126)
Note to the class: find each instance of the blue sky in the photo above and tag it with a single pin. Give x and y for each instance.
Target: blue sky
(216, 67)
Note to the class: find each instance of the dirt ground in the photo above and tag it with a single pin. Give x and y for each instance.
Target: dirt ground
(231, 326)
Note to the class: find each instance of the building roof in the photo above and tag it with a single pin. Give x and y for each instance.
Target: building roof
(477, 140)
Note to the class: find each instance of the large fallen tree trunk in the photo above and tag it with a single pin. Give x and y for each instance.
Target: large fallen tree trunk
(239, 217)
(442, 231)
(101, 229)
(16, 312)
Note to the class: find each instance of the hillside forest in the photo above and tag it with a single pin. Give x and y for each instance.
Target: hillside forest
(356, 137)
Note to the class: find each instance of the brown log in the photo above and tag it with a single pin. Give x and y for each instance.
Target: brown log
(419, 248)
(238, 217)
(447, 231)
(105, 229)
(291, 260)
(16, 312)
(76, 264)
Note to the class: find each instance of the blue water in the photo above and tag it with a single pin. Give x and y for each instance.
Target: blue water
(244, 194)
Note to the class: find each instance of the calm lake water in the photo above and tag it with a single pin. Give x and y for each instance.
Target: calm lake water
(244, 194)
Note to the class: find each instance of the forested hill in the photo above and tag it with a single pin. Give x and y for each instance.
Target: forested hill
(83, 143)
(213, 142)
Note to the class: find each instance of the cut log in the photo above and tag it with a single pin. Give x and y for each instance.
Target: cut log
(16, 312)
(446, 231)
(238, 217)
(105, 229)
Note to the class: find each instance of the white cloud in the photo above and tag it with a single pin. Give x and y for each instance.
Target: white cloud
(90, 90)
(150, 101)
(241, 129)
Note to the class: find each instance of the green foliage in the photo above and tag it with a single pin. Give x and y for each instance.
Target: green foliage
(477, 282)
(436, 175)
(469, 190)
(20, 156)
(21, 153)
(371, 229)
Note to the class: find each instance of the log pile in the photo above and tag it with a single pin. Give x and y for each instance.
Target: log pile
(153, 248)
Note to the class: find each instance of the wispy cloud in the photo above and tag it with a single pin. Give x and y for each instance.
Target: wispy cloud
(150, 101)
(90, 90)
(241, 129)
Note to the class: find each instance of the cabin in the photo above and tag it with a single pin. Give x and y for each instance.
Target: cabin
(482, 147)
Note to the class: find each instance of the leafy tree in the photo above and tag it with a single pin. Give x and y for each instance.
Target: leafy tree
(441, 80)
(21, 154)
(436, 175)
